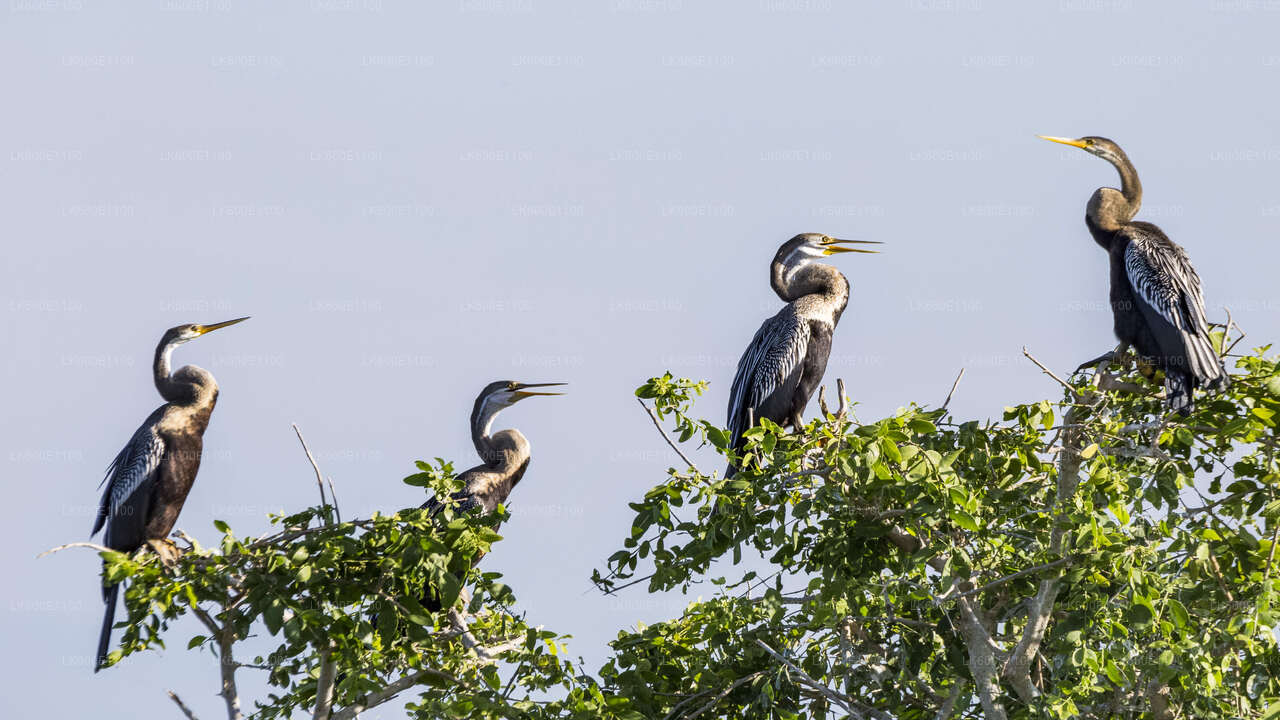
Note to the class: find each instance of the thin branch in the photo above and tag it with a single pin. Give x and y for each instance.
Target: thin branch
(314, 466)
(390, 691)
(1049, 372)
(333, 498)
(732, 686)
(95, 546)
(654, 417)
(954, 385)
(822, 401)
(182, 706)
(835, 696)
(1021, 573)
(842, 409)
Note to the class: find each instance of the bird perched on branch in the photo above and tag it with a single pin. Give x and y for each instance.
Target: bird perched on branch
(784, 363)
(504, 455)
(1156, 299)
(148, 481)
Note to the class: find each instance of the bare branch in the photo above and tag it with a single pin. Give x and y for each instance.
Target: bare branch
(182, 706)
(731, 687)
(822, 401)
(95, 546)
(314, 466)
(954, 385)
(842, 409)
(654, 417)
(1047, 371)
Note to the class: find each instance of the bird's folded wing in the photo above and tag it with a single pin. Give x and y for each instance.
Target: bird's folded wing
(1167, 287)
(775, 353)
(136, 465)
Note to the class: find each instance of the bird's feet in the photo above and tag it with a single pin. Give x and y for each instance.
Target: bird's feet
(167, 551)
(1118, 357)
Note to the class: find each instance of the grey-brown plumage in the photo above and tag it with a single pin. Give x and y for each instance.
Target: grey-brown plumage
(786, 359)
(148, 482)
(1156, 300)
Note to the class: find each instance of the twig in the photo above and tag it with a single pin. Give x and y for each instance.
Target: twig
(1227, 332)
(822, 401)
(947, 402)
(182, 706)
(1049, 372)
(333, 498)
(654, 417)
(314, 466)
(843, 408)
(95, 546)
(1015, 576)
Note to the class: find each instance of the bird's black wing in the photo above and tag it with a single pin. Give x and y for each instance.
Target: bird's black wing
(772, 364)
(129, 482)
(1167, 290)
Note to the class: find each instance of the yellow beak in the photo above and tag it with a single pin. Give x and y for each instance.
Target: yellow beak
(1064, 141)
(831, 246)
(202, 329)
(522, 393)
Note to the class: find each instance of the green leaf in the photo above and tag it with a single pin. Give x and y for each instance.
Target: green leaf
(1179, 612)
(1089, 451)
(197, 640)
(964, 520)
(222, 527)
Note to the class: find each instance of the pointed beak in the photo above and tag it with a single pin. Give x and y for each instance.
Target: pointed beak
(831, 246)
(1064, 141)
(202, 329)
(521, 393)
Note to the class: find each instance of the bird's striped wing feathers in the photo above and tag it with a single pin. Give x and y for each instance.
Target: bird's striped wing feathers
(1166, 284)
(136, 465)
(774, 354)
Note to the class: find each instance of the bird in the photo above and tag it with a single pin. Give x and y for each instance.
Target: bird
(784, 362)
(147, 483)
(504, 455)
(1156, 299)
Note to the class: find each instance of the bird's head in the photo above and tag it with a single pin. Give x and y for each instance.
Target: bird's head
(505, 393)
(1094, 145)
(185, 333)
(807, 248)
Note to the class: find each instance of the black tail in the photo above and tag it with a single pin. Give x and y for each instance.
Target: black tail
(1178, 390)
(109, 595)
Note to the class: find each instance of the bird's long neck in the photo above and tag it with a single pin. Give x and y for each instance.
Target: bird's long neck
(190, 386)
(490, 447)
(1109, 208)
(791, 283)
(169, 389)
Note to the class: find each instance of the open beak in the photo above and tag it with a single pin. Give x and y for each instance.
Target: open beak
(831, 246)
(521, 393)
(1064, 141)
(202, 329)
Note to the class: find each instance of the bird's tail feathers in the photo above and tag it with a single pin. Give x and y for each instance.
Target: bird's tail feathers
(109, 595)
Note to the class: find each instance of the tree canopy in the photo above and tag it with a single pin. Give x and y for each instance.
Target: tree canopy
(1091, 556)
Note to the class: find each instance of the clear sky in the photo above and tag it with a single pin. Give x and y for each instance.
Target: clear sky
(413, 202)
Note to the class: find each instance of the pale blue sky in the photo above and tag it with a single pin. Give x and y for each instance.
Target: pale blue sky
(413, 202)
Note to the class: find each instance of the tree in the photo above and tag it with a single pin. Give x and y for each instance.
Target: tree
(1093, 557)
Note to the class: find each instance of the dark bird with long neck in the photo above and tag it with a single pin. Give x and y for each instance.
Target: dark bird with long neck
(786, 359)
(1156, 301)
(148, 482)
